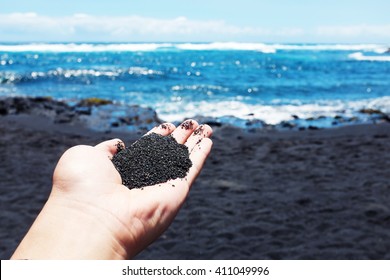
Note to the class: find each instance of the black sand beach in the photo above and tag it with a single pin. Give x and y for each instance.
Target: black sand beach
(320, 194)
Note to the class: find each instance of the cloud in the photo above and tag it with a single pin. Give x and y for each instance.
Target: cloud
(360, 33)
(355, 30)
(31, 26)
(85, 27)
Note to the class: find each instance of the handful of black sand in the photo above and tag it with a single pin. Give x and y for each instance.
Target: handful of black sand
(152, 160)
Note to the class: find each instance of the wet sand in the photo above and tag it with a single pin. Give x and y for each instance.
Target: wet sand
(321, 194)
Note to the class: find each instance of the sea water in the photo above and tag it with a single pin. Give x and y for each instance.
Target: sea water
(238, 83)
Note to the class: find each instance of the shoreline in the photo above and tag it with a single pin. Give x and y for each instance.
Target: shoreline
(106, 115)
(265, 194)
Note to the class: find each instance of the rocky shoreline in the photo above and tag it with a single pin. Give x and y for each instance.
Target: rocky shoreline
(104, 115)
(94, 113)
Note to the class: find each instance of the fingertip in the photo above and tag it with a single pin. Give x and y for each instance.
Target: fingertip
(163, 129)
(189, 124)
(184, 130)
(203, 130)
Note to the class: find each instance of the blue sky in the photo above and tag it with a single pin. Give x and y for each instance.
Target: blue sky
(321, 21)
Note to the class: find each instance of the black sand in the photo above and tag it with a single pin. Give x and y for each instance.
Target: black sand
(152, 160)
(321, 194)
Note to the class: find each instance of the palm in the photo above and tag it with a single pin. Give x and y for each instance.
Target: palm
(86, 174)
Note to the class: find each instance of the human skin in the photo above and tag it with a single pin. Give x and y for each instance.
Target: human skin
(91, 215)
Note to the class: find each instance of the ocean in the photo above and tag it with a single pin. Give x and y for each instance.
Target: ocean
(239, 83)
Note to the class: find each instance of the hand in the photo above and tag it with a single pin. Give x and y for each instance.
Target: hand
(91, 215)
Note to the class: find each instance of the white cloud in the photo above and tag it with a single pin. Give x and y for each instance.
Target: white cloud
(79, 27)
(84, 27)
(355, 30)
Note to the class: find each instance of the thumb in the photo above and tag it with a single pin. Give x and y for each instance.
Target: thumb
(111, 147)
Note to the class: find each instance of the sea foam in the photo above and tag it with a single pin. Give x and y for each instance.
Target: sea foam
(270, 114)
(220, 46)
(72, 47)
(228, 46)
(361, 57)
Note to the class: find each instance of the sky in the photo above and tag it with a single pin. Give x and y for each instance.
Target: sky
(271, 21)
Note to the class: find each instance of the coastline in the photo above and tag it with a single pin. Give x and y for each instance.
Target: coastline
(265, 194)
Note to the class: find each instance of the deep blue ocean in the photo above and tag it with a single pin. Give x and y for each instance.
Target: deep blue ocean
(231, 82)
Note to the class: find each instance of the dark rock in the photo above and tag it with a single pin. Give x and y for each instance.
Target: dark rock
(385, 118)
(288, 125)
(371, 111)
(255, 123)
(83, 110)
(353, 119)
(93, 101)
(128, 120)
(316, 118)
(21, 105)
(214, 123)
(65, 117)
(42, 99)
(48, 106)
(3, 108)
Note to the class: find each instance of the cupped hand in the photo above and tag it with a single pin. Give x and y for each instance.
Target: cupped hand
(87, 188)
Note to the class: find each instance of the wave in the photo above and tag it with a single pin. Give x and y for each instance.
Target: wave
(72, 47)
(227, 46)
(333, 47)
(134, 47)
(272, 114)
(361, 57)
(220, 46)
(71, 74)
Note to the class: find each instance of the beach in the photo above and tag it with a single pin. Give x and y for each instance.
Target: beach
(263, 194)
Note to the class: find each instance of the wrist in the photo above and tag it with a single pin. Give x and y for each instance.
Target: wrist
(68, 229)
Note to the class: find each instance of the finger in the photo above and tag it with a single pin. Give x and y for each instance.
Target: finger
(198, 157)
(202, 131)
(111, 147)
(183, 131)
(163, 129)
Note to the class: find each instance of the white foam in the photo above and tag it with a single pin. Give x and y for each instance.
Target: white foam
(270, 114)
(228, 46)
(223, 46)
(272, 48)
(361, 57)
(71, 47)
(332, 47)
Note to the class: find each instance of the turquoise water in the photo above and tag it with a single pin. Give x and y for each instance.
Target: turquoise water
(232, 82)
